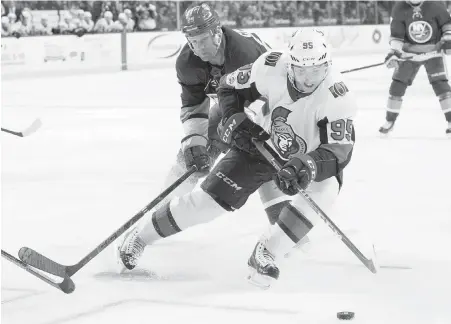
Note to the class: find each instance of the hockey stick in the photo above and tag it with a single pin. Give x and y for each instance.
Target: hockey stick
(362, 68)
(421, 56)
(67, 285)
(30, 130)
(37, 260)
(268, 153)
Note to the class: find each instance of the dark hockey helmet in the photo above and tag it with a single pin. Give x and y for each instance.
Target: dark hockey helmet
(198, 19)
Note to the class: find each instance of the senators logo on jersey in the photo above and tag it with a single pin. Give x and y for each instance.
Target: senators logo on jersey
(284, 139)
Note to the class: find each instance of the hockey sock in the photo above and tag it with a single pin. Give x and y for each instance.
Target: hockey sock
(291, 227)
(193, 208)
(273, 212)
(445, 103)
(393, 108)
(162, 224)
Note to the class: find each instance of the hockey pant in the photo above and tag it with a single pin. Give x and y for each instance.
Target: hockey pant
(227, 188)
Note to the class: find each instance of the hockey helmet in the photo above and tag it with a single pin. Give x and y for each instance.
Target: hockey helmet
(198, 19)
(309, 58)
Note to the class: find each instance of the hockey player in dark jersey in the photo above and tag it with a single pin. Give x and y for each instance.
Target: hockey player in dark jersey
(211, 51)
(418, 27)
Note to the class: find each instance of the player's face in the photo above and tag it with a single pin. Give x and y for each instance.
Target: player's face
(204, 46)
(308, 78)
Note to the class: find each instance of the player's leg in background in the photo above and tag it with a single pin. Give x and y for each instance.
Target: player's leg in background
(295, 222)
(403, 77)
(226, 188)
(438, 78)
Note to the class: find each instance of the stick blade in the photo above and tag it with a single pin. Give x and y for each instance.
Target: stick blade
(67, 285)
(32, 128)
(372, 264)
(38, 261)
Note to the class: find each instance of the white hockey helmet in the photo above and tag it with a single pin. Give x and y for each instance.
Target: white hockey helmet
(309, 59)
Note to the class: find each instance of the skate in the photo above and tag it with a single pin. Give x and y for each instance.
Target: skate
(387, 127)
(131, 249)
(262, 268)
(448, 130)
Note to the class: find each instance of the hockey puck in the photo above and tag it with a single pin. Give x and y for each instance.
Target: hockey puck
(345, 315)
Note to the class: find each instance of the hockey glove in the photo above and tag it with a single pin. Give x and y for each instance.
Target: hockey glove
(195, 153)
(445, 44)
(299, 170)
(236, 129)
(392, 59)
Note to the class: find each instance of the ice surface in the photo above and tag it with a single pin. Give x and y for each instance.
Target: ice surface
(107, 141)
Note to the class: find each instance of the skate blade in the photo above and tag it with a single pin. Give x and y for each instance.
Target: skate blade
(384, 135)
(258, 280)
(120, 267)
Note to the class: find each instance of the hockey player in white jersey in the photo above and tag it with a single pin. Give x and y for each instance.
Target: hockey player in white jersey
(211, 51)
(308, 121)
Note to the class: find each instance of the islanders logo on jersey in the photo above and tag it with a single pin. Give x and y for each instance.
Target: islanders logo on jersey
(420, 31)
(283, 137)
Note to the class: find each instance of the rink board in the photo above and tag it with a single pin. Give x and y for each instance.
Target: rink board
(69, 54)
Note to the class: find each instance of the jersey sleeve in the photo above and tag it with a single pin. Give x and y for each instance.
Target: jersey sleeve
(337, 135)
(443, 18)
(247, 84)
(195, 106)
(397, 28)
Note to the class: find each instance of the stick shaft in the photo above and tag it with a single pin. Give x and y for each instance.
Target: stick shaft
(41, 262)
(421, 56)
(73, 269)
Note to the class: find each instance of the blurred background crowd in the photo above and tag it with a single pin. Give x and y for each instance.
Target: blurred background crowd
(32, 18)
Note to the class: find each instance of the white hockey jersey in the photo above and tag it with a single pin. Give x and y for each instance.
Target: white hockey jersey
(320, 124)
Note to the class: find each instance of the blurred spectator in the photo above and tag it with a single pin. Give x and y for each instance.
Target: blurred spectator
(23, 27)
(12, 18)
(75, 24)
(317, 13)
(44, 28)
(130, 20)
(63, 27)
(145, 21)
(165, 21)
(66, 17)
(119, 24)
(104, 24)
(6, 30)
(87, 22)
